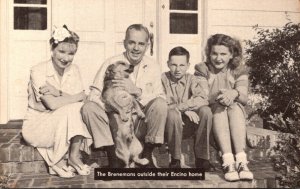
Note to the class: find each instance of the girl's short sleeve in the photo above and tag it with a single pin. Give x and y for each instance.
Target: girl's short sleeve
(37, 80)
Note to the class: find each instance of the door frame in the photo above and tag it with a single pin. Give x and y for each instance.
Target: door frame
(4, 41)
(163, 28)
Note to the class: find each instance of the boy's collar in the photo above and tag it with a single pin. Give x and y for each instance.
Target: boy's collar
(176, 81)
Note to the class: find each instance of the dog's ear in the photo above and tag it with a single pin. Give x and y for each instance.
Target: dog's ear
(130, 69)
(109, 73)
(110, 68)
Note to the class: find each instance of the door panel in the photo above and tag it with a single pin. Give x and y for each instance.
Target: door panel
(88, 19)
(29, 31)
(89, 59)
(128, 12)
(96, 16)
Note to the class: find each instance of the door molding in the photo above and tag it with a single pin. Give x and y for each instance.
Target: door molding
(4, 41)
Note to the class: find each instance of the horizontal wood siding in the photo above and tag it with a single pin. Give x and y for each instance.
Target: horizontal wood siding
(237, 17)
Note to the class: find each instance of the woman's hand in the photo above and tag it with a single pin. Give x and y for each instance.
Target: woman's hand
(227, 97)
(49, 89)
(192, 116)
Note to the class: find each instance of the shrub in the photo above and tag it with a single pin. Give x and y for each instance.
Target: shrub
(274, 62)
(286, 154)
(3, 181)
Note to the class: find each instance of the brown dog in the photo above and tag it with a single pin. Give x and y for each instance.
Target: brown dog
(117, 100)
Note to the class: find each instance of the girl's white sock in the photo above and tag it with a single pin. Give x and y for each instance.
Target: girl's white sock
(241, 157)
(228, 159)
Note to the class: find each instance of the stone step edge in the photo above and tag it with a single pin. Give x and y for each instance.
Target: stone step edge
(212, 180)
(23, 153)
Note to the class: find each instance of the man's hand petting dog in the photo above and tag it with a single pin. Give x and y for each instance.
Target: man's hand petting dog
(127, 85)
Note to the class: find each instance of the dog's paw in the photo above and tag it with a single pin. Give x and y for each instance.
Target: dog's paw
(124, 117)
(143, 161)
(132, 165)
(129, 138)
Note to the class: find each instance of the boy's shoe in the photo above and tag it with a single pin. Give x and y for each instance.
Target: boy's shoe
(244, 172)
(204, 164)
(175, 163)
(230, 173)
(148, 154)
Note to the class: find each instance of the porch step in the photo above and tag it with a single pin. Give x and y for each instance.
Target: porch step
(17, 157)
(212, 180)
(27, 168)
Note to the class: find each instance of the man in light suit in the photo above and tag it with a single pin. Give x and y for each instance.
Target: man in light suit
(144, 84)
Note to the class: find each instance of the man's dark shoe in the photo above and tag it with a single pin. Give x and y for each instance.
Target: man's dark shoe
(204, 164)
(175, 163)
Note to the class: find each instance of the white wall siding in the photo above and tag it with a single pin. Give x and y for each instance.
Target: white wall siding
(237, 17)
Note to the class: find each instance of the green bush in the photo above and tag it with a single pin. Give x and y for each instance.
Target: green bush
(286, 154)
(3, 181)
(274, 62)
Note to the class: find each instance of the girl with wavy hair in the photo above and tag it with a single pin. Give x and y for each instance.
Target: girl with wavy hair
(227, 87)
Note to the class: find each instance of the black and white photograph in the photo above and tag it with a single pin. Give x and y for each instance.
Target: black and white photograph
(149, 93)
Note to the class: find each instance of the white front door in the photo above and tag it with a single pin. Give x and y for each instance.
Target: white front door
(29, 30)
(181, 24)
(101, 25)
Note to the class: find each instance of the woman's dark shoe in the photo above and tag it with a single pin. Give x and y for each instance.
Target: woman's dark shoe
(230, 172)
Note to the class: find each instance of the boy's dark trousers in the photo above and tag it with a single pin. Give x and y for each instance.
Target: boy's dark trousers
(176, 131)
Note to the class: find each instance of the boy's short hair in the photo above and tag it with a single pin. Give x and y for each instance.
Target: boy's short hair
(179, 51)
